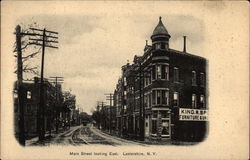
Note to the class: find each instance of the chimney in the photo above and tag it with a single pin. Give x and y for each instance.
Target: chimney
(184, 47)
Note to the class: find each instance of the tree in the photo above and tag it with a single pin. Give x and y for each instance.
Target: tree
(69, 100)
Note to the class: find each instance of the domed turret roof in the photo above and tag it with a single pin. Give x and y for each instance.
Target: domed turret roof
(160, 29)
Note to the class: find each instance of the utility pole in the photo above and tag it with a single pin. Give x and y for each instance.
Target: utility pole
(19, 85)
(98, 115)
(56, 80)
(110, 97)
(44, 38)
(101, 103)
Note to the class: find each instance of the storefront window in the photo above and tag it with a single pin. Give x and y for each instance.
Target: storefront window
(165, 127)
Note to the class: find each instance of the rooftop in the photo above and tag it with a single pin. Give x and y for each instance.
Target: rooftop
(160, 29)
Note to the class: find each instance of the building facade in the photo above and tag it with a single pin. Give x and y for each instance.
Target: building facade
(56, 110)
(163, 94)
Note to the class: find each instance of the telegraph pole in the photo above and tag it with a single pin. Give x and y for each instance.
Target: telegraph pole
(101, 117)
(98, 115)
(110, 97)
(19, 85)
(56, 80)
(44, 38)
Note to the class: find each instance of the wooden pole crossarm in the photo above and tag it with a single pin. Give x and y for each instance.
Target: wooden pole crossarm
(36, 34)
(42, 40)
(51, 46)
(35, 29)
(31, 34)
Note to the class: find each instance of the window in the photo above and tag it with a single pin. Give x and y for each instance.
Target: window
(166, 46)
(157, 46)
(28, 95)
(160, 97)
(125, 81)
(15, 94)
(165, 127)
(145, 81)
(149, 99)
(176, 98)
(202, 79)
(146, 100)
(193, 78)
(193, 101)
(155, 114)
(202, 101)
(153, 72)
(165, 97)
(149, 79)
(154, 97)
(158, 100)
(164, 114)
(163, 46)
(158, 72)
(176, 74)
(165, 71)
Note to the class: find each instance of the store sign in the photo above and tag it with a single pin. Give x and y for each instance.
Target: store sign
(186, 114)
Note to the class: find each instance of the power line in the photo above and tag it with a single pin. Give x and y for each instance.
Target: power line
(44, 39)
(110, 97)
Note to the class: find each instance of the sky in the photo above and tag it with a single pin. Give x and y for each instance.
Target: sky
(93, 47)
(97, 37)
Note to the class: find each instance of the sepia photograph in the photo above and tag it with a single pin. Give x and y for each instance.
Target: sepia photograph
(122, 80)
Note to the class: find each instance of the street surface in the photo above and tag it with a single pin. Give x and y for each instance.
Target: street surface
(82, 135)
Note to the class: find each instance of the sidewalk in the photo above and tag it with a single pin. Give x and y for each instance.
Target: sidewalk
(61, 132)
(116, 139)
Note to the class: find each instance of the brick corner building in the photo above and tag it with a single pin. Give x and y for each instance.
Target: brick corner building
(162, 95)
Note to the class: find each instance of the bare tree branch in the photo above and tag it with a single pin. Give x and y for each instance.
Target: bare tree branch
(30, 70)
(25, 46)
(31, 55)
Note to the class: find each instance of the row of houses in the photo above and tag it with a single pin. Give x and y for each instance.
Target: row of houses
(161, 95)
(59, 108)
